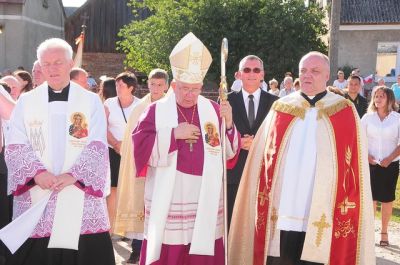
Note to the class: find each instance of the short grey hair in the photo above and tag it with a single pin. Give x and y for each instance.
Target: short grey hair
(287, 78)
(54, 43)
(249, 58)
(315, 53)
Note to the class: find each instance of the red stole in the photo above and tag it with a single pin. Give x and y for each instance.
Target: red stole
(346, 217)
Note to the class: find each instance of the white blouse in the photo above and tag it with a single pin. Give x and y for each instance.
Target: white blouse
(116, 121)
(383, 136)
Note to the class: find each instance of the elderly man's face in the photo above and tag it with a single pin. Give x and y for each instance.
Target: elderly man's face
(37, 75)
(187, 94)
(314, 73)
(14, 84)
(251, 75)
(288, 84)
(56, 67)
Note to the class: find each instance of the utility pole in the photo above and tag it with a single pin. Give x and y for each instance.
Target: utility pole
(334, 38)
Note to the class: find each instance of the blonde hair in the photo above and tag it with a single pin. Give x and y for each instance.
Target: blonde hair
(391, 100)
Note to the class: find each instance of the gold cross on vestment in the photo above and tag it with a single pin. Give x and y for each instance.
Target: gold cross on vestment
(262, 196)
(274, 219)
(321, 225)
(345, 205)
(190, 142)
(140, 216)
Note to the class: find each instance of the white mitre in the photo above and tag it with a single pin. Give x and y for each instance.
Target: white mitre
(190, 60)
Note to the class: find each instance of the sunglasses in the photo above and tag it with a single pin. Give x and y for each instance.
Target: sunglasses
(248, 70)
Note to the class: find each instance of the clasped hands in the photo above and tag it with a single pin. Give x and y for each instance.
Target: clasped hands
(49, 181)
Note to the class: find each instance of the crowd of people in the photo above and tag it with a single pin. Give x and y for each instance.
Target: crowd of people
(306, 164)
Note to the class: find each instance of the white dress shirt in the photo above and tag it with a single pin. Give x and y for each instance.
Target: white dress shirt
(283, 92)
(256, 100)
(383, 136)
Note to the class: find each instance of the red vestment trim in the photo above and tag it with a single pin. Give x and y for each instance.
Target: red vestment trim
(274, 139)
(346, 216)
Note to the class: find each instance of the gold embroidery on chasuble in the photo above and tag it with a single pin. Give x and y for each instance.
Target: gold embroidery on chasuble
(344, 228)
(320, 225)
(274, 219)
(333, 109)
(296, 111)
(139, 216)
(262, 196)
(345, 205)
(36, 136)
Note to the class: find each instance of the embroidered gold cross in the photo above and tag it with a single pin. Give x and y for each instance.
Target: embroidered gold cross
(140, 216)
(190, 142)
(262, 196)
(345, 205)
(274, 218)
(321, 225)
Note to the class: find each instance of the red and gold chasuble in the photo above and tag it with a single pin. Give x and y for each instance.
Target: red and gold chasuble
(346, 213)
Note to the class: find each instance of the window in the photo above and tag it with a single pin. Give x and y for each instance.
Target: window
(388, 61)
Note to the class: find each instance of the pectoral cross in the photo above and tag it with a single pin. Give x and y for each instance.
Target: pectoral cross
(321, 225)
(190, 142)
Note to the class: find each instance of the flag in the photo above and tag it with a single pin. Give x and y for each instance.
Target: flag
(79, 52)
(369, 79)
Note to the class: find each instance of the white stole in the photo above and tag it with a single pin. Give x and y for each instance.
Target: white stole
(203, 239)
(69, 207)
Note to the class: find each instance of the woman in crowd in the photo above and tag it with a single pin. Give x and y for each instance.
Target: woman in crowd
(107, 89)
(340, 82)
(25, 79)
(273, 87)
(382, 127)
(118, 109)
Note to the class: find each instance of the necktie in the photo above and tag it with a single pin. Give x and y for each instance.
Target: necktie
(251, 115)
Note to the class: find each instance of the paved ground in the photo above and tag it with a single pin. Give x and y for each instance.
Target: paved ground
(384, 255)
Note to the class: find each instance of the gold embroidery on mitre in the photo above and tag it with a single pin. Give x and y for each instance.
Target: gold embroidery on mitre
(333, 109)
(289, 109)
(344, 228)
(345, 205)
(36, 136)
(320, 225)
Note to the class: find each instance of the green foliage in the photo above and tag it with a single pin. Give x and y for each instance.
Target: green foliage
(346, 70)
(278, 31)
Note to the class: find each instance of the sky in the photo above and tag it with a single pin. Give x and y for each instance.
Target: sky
(73, 2)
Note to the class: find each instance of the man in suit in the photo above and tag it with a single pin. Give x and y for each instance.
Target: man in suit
(250, 106)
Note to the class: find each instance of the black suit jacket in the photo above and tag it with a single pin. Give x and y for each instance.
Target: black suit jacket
(242, 125)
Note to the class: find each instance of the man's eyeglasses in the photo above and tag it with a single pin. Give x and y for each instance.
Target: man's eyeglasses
(248, 70)
(192, 90)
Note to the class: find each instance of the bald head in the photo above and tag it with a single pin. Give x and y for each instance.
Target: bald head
(14, 85)
(79, 76)
(314, 73)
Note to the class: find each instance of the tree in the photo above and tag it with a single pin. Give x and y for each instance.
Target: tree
(278, 31)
